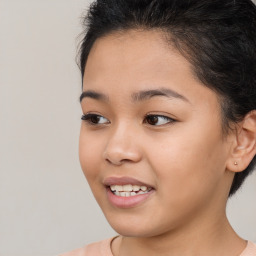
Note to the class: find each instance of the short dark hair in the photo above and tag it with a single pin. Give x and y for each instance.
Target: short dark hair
(218, 37)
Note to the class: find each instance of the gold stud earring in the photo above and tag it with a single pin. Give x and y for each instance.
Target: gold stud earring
(235, 163)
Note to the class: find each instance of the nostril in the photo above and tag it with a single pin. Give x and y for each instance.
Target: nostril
(118, 163)
(114, 162)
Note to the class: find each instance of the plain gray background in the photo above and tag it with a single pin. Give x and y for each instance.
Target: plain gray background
(46, 206)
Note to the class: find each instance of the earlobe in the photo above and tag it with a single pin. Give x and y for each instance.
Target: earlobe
(244, 146)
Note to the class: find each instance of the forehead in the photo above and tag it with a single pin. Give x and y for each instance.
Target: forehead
(140, 60)
(132, 52)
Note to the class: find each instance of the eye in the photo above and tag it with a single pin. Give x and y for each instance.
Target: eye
(158, 120)
(95, 119)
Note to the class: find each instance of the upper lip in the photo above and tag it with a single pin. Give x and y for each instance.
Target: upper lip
(109, 181)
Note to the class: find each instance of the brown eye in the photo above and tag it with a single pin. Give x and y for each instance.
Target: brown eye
(95, 119)
(158, 120)
(152, 120)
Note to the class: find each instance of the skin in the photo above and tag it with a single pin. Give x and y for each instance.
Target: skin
(185, 158)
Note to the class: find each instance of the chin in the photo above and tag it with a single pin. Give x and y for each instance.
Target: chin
(134, 227)
(130, 232)
(128, 226)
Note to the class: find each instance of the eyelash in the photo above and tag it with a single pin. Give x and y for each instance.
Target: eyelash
(168, 120)
(89, 119)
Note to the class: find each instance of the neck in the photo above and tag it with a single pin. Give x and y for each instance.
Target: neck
(200, 238)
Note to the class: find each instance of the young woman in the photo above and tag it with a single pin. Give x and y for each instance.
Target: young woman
(169, 122)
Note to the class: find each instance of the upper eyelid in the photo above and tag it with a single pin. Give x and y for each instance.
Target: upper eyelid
(150, 114)
(163, 116)
(86, 118)
(171, 119)
(93, 114)
(159, 115)
(167, 120)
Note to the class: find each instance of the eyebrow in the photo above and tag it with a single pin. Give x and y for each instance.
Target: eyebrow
(166, 92)
(137, 96)
(93, 95)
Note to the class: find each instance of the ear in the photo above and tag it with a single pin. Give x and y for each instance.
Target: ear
(244, 145)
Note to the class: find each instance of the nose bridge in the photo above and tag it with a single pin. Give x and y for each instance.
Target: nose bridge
(121, 145)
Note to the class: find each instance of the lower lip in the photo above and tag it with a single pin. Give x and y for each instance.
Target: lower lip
(127, 202)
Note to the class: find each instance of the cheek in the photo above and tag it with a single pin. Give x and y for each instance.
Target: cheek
(89, 155)
(188, 165)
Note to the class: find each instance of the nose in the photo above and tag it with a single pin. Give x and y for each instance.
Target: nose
(122, 146)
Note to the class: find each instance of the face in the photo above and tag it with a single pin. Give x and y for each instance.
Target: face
(151, 144)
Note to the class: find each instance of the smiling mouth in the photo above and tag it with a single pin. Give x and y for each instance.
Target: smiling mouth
(129, 190)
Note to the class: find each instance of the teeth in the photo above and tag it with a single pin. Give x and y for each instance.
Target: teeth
(119, 188)
(129, 190)
(135, 188)
(113, 187)
(143, 188)
(123, 194)
(127, 194)
(141, 192)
